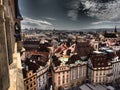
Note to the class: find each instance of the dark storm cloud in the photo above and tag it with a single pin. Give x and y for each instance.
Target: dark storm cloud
(100, 9)
(42, 8)
(72, 14)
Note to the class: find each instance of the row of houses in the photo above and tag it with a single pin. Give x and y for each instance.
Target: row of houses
(85, 65)
(36, 80)
(35, 62)
(65, 76)
(71, 64)
(100, 67)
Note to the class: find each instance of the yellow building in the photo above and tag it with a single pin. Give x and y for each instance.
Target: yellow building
(30, 82)
(61, 77)
(68, 73)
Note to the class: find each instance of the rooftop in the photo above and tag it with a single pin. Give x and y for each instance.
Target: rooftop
(110, 35)
(98, 52)
(95, 87)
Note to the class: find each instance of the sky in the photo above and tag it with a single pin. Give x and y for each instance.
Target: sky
(70, 14)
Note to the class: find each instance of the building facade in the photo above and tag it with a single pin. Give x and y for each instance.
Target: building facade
(42, 78)
(99, 68)
(61, 77)
(30, 82)
(68, 75)
(116, 69)
(78, 73)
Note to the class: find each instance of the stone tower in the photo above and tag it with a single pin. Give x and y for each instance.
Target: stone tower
(9, 16)
(4, 71)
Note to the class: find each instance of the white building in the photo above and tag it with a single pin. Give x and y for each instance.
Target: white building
(78, 73)
(115, 61)
(99, 68)
(116, 68)
(42, 78)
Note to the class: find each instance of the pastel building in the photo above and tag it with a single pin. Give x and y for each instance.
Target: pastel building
(61, 77)
(30, 81)
(99, 68)
(68, 72)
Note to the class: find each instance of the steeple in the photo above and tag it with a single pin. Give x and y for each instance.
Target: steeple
(115, 31)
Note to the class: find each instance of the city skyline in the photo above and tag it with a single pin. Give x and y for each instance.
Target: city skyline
(56, 59)
(70, 14)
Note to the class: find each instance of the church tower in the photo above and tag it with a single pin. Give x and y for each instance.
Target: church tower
(9, 16)
(115, 31)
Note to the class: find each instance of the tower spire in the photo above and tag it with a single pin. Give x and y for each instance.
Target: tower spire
(115, 29)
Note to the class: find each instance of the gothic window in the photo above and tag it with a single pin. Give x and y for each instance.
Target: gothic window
(17, 32)
(17, 28)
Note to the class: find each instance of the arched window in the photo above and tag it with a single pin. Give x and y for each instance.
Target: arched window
(17, 32)
(17, 28)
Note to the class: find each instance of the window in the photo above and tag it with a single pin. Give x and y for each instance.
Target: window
(67, 78)
(39, 85)
(63, 80)
(30, 85)
(34, 77)
(59, 73)
(30, 74)
(96, 80)
(96, 73)
(100, 80)
(17, 32)
(104, 73)
(59, 80)
(67, 71)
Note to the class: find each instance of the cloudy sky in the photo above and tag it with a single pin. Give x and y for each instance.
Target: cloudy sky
(70, 14)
